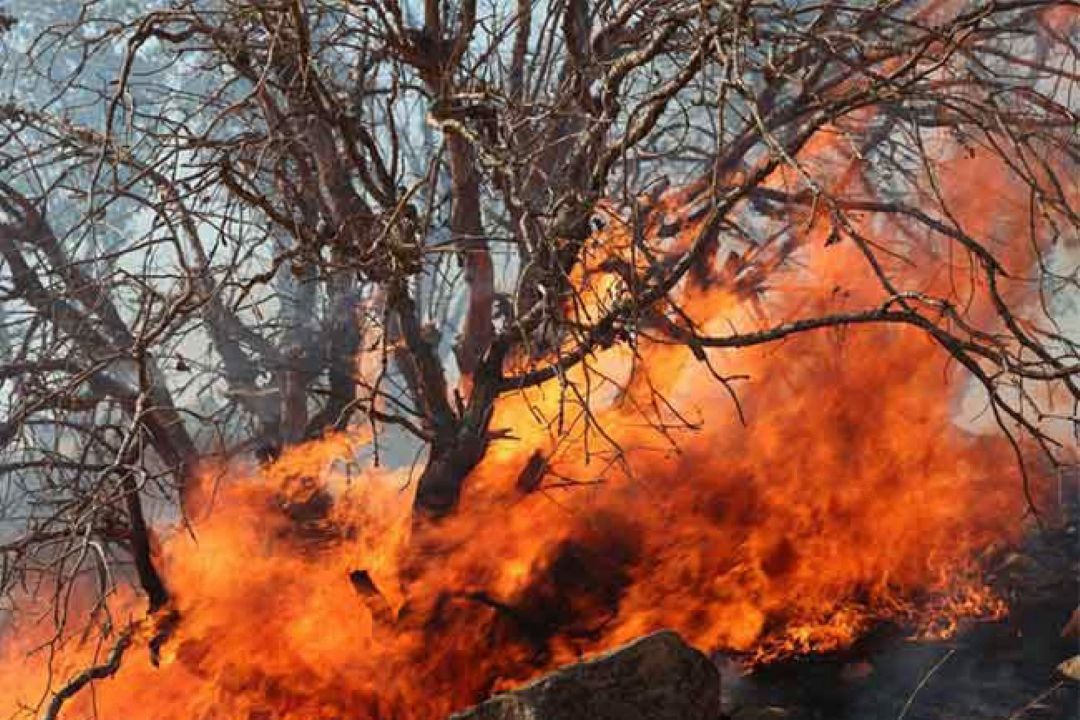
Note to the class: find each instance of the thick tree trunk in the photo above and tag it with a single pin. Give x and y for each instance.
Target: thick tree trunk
(448, 465)
(460, 447)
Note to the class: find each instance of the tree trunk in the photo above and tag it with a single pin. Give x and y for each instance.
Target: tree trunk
(460, 446)
(449, 463)
(142, 552)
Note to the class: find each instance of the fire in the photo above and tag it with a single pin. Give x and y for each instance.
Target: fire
(849, 497)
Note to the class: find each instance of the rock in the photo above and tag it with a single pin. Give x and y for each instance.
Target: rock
(657, 677)
(1070, 668)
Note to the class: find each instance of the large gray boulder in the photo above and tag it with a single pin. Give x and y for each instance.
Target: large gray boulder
(657, 677)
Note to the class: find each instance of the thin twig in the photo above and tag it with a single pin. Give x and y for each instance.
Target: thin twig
(96, 672)
(1016, 714)
(922, 683)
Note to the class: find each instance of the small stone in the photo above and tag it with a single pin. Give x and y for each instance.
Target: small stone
(1070, 668)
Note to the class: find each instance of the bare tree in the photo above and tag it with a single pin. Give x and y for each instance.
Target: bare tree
(269, 220)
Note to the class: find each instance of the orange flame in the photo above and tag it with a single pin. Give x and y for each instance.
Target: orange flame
(849, 497)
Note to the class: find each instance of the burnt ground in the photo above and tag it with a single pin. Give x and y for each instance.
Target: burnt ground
(1003, 670)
